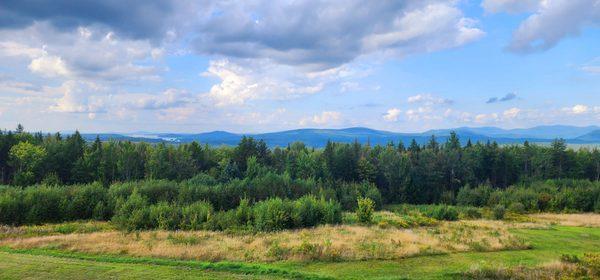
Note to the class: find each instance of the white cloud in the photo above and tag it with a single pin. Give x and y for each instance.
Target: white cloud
(262, 118)
(511, 113)
(255, 80)
(325, 118)
(78, 98)
(321, 35)
(576, 110)
(392, 115)
(49, 66)
(486, 118)
(176, 114)
(552, 21)
(428, 99)
(170, 98)
(421, 113)
(10, 48)
(91, 53)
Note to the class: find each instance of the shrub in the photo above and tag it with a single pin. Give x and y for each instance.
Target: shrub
(84, 201)
(309, 212)
(443, 212)
(165, 216)
(243, 213)
(273, 214)
(195, 216)
(478, 196)
(158, 190)
(364, 211)
(498, 212)
(470, 213)
(132, 214)
(44, 204)
(517, 207)
(11, 207)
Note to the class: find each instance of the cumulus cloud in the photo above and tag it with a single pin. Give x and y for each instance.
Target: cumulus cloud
(89, 53)
(49, 66)
(421, 113)
(176, 114)
(392, 115)
(511, 113)
(168, 99)
(486, 118)
(138, 19)
(429, 100)
(325, 118)
(78, 98)
(551, 21)
(242, 81)
(577, 109)
(507, 97)
(320, 34)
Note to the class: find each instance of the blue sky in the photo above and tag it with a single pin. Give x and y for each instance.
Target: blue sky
(255, 66)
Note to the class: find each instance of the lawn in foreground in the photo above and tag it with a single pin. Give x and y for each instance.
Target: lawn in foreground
(548, 245)
(27, 266)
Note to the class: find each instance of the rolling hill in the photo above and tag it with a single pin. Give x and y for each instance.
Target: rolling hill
(319, 137)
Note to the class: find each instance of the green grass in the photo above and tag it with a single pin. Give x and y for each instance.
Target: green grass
(229, 267)
(548, 245)
(26, 266)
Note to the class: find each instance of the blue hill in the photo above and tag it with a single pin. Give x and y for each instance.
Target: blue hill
(319, 137)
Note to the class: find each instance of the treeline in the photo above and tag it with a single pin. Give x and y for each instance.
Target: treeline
(419, 174)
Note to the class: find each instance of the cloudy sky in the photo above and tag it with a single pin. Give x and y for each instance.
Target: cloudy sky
(256, 66)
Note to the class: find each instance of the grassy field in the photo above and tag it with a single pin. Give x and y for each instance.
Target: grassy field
(547, 246)
(27, 266)
(38, 255)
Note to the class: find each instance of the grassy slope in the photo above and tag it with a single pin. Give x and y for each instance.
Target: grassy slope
(548, 245)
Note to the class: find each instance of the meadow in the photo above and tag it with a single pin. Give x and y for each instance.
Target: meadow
(534, 246)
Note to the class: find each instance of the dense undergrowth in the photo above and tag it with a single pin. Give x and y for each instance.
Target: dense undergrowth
(272, 202)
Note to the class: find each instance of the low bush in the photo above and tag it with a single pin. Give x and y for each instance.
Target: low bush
(365, 209)
(498, 212)
(443, 212)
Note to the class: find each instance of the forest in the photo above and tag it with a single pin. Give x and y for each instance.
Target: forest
(51, 178)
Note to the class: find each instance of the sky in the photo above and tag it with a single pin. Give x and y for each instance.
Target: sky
(259, 66)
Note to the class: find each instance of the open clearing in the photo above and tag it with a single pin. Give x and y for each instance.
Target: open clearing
(51, 255)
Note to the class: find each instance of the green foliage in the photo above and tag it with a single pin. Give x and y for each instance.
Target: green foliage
(517, 207)
(498, 212)
(273, 214)
(443, 212)
(365, 209)
(195, 216)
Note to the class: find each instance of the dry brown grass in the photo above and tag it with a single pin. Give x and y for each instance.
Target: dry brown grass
(330, 243)
(551, 271)
(578, 220)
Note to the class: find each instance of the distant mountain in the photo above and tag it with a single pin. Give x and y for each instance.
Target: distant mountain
(593, 136)
(319, 137)
(541, 132)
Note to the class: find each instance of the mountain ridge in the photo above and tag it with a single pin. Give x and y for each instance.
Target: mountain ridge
(317, 137)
